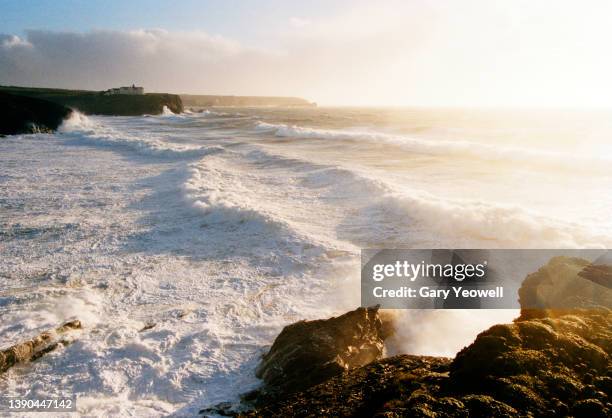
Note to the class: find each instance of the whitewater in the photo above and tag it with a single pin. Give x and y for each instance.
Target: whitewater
(184, 243)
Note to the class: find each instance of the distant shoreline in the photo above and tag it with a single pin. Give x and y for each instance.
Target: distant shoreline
(204, 101)
(98, 103)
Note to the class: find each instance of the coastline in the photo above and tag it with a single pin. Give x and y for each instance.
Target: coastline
(97, 103)
(546, 363)
(184, 243)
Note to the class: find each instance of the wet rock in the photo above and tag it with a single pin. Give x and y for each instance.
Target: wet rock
(540, 367)
(530, 363)
(564, 285)
(36, 347)
(22, 114)
(224, 409)
(88, 102)
(147, 326)
(309, 352)
(483, 406)
(590, 408)
(600, 274)
(549, 358)
(550, 362)
(395, 386)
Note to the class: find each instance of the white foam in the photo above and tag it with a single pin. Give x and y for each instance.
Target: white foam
(225, 197)
(167, 112)
(446, 147)
(384, 214)
(465, 223)
(93, 132)
(168, 115)
(218, 245)
(48, 307)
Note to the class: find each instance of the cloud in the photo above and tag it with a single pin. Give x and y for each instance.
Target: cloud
(156, 58)
(299, 22)
(190, 62)
(423, 53)
(340, 58)
(12, 41)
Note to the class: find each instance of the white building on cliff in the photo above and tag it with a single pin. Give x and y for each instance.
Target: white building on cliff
(132, 90)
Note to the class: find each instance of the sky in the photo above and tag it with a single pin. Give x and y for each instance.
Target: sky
(479, 53)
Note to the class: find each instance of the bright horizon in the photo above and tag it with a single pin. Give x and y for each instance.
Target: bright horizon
(420, 53)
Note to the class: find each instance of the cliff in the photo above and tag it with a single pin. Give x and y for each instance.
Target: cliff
(93, 102)
(310, 352)
(209, 100)
(543, 368)
(547, 363)
(22, 114)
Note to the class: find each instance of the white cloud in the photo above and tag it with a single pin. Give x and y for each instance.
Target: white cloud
(99, 59)
(13, 41)
(477, 52)
(186, 62)
(299, 22)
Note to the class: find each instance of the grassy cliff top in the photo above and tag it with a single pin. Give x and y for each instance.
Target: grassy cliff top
(95, 102)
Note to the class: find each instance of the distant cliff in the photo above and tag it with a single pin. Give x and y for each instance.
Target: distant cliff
(209, 100)
(93, 102)
(22, 114)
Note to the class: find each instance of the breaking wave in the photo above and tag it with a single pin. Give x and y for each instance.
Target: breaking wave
(91, 131)
(472, 223)
(225, 203)
(380, 213)
(496, 152)
(210, 251)
(167, 112)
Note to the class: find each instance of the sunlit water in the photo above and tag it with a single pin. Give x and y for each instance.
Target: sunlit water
(219, 228)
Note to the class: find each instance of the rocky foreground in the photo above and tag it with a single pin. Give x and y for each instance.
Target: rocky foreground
(549, 362)
(38, 346)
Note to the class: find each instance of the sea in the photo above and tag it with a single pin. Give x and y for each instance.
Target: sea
(185, 242)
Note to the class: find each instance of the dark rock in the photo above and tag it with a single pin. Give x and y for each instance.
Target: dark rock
(148, 326)
(590, 408)
(36, 347)
(550, 362)
(223, 409)
(310, 352)
(482, 406)
(529, 363)
(93, 102)
(604, 384)
(600, 274)
(564, 285)
(123, 105)
(21, 115)
(387, 387)
(538, 367)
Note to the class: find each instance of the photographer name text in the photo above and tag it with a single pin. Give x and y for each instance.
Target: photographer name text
(433, 293)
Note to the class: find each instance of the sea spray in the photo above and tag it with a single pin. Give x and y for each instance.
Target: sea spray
(267, 233)
(92, 131)
(495, 152)
(167, 112)
(440, 332)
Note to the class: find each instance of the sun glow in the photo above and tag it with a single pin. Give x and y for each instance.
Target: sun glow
(474, 53)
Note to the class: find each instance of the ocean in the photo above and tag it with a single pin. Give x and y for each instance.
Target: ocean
(184, 243)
